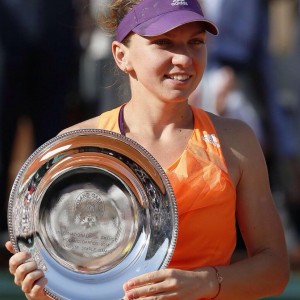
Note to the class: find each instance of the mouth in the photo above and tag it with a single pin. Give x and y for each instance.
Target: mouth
(179, 77)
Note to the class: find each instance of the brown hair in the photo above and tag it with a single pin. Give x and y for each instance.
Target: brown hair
(111, 16)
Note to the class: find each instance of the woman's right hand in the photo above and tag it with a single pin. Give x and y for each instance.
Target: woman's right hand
(31, 280)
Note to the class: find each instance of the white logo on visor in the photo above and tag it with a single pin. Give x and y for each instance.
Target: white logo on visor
(179, 2)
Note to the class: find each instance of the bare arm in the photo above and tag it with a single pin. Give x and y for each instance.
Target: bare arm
(266, 271)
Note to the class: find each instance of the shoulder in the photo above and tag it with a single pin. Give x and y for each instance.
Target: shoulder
(233, 132)
(226, 128)
(240, 146)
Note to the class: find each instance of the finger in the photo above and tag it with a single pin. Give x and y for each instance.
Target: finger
(164, 296)
(146, 279)
(158, 290)
(16, 260)
(38, 290)
(161, 297)
(23, 270)
(9, 247)
(32, 284)
(142, 280)
(141, 292)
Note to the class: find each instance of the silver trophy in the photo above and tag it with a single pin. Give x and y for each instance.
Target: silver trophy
(94, 209)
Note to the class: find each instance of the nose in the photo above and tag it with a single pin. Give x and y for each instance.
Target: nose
(182, 58)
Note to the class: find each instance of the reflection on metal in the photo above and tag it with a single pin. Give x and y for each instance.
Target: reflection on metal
(94, 209)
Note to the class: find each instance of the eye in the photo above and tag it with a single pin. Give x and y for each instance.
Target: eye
(197, 41)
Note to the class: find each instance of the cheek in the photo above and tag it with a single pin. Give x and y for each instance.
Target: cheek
(150, 64)
(202, 67)
(201, 62)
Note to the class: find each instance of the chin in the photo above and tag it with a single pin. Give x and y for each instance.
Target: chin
(182, 97)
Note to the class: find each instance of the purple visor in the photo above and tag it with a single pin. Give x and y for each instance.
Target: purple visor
(155, 17)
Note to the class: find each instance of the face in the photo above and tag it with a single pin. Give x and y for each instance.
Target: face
(167, 67)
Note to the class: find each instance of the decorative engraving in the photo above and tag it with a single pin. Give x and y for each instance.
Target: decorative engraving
(92, 243)
(89, 208)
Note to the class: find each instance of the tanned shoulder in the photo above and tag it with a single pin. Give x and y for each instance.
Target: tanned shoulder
(239, 144)
(234, 133)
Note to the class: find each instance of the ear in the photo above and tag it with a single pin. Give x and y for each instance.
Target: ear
(120, 53)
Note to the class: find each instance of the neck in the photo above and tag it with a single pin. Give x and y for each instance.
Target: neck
(156, 118)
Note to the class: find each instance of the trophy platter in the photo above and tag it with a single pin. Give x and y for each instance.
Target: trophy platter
(94, 209)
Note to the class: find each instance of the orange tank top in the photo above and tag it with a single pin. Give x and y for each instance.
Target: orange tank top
(204, 193)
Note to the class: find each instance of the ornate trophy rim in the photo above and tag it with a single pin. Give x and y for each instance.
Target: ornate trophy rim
(141, 228)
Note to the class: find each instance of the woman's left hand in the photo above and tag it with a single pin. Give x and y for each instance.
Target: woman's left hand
(172, 284)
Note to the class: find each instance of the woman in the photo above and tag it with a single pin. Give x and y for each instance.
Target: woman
(215, 165)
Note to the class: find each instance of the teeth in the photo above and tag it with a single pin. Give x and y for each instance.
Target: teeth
(179, 77)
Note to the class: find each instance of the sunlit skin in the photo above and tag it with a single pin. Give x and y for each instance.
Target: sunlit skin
(167, 67)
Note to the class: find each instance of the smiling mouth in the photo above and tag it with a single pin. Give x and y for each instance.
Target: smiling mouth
(179, 77)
